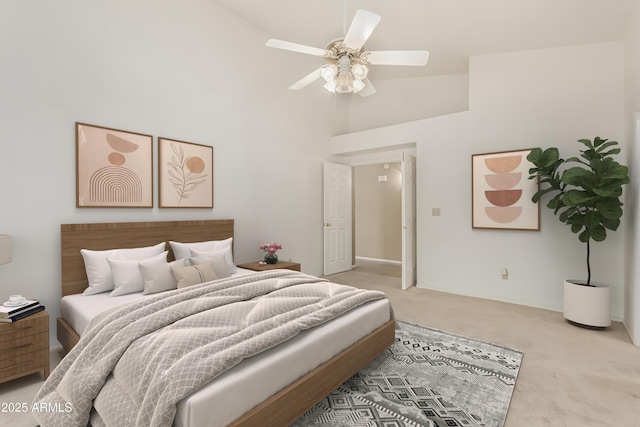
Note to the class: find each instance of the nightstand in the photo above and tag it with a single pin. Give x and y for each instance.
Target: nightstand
(255, 266)
(24, 347)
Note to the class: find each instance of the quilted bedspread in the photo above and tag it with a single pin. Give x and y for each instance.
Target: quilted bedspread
(136, 362)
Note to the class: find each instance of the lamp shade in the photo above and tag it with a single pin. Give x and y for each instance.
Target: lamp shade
(5, 249)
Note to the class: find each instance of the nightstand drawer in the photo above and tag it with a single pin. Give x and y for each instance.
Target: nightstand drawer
(30, 325)
(24, 364)
(24, 345)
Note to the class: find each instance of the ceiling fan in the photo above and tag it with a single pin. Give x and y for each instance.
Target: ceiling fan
(348, 61)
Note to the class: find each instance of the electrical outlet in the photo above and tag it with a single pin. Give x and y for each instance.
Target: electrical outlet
(504, 273)
(435, 212)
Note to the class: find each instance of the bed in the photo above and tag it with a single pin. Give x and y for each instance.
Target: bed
(340, 347)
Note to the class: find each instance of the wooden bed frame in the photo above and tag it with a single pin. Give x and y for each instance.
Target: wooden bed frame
(284, 407)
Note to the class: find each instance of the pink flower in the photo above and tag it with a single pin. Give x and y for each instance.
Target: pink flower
(271, 248)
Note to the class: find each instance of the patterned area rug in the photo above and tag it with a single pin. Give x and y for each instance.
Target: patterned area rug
(427, 378)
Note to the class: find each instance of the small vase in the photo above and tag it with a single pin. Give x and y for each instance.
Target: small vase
(271, 258)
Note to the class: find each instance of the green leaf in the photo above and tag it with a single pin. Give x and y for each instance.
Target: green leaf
(610, 224)
(611, 211)
(586, 142)
(534, 156)
(556, 202)
(592, 219)
(584, 236)
(567, 214)
(577, 176)
(577, 198)
(598, 233)
(543, 160)
(536, 197)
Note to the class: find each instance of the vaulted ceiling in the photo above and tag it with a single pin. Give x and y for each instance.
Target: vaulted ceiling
(451, 30)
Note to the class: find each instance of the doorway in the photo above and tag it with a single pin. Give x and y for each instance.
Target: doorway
(384, 216)
(378, 212)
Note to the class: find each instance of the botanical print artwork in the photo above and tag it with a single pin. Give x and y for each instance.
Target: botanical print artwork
(186, 174)
(502, 191)
(114, 168)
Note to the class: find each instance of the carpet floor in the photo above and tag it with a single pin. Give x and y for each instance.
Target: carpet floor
(426, 378)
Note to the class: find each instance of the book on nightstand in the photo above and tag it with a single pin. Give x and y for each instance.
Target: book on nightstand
(11, 314)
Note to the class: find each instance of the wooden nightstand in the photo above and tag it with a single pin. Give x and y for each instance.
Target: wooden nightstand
(24, 347)
(255, 266)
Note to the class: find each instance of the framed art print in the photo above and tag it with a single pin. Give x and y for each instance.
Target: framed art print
(114, 168)
(502, 191)
(185, 174)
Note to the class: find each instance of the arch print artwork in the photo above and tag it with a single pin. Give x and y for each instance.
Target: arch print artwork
(185, 174)
(114, 168)
(501, 191)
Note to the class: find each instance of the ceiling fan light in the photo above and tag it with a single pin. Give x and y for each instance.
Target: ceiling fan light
(329, 72)
(358, 85)
(344, 82)
(330, 86)
(359, 71)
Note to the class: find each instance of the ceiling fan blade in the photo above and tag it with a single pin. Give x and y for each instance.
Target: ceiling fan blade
(363, 24)
(399, 57)
(307, 80)
(368, 88)
(295, 47)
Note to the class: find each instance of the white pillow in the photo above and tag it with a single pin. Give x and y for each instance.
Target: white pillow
(228, 257)
(158, 277)
(142, 253)
(127, 276)
(181, 250)
(217, 261)
(98, 270)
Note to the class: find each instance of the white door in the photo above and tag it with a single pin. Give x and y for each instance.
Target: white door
(337, 218)
(408, 167)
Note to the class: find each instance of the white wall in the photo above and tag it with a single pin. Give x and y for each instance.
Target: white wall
(549, 97)
(405, 100)
(632, 116)
(187, 70)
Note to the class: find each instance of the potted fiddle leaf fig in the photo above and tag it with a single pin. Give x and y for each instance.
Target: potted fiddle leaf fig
(585, 193)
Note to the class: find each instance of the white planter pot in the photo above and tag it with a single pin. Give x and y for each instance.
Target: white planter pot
(587, 305)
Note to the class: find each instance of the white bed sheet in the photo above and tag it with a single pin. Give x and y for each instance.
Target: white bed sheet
(257, 378)
(79, 309)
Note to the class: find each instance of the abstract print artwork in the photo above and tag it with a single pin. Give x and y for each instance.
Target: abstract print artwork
(501, 191)
(114, 168)
(185, 177)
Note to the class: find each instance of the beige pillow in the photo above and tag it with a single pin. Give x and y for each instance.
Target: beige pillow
(228, 256)
(127, 276)
(159, 277)
(218, 262)
(194, 274)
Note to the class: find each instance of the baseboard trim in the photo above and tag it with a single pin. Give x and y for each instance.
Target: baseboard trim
(387, 261)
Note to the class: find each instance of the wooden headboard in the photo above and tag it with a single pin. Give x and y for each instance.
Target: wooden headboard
(114, 235)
